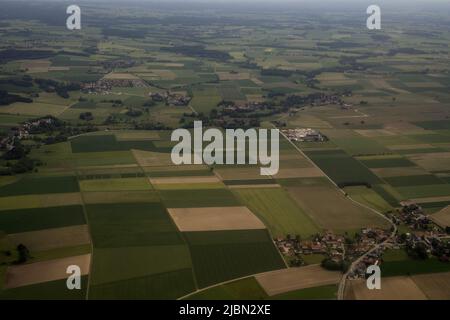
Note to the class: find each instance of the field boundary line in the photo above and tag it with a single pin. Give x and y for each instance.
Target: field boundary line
(91, 263)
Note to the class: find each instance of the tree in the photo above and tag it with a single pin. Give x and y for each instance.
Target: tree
(87, 116)
(24, 253)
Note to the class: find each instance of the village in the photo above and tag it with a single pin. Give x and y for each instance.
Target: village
(425, 240)
(304, 135)
(105, 85)
(170, 99)
(23, 132)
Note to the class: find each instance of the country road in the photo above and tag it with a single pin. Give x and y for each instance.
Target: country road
(341, 289)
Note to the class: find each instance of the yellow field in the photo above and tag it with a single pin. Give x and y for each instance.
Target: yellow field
(39, 201)
(126, 184)
(436, 286)
(291, 279)
(27, 274)
(442, 218)
(392, 288)
(214, 219)
(52, 238)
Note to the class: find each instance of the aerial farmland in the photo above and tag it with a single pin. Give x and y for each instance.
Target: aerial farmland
(87, 175)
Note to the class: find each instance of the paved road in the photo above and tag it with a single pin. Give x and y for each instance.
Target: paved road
(341, 290)
(394, 232)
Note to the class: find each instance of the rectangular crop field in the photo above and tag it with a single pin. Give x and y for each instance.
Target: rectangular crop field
(24, 220)
(41, 185)
(200, 198)
(131, 224)
(224, 255)
(278, 211)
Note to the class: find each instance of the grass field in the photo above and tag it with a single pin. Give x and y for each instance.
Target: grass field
(168, 285)
(46, 291)
(318, 293)
(410, 267)
(41, 185)
(386, 162)
(23, 220)
(224, 255)
(117, 264)
(128, 184)
(131, 224)
(341, 167)
(278, 211)
(201, 198)
(102, 143)
(336, 213)
(369, 197)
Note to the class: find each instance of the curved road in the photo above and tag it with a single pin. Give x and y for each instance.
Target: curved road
(341, 289)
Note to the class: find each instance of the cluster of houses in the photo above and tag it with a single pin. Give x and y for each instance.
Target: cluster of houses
(23, 132)
(104, 86)
(327, 244)
(327, 99)
(413, 216)
(367, 239)
(171, 99)
(304, 135)
(435, 243)
(118, 64)
(231, 107)
(373, 258)
(7, 143)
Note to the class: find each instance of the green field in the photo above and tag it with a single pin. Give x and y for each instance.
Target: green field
(105, 143)
(410, 267)
(41, 185)
(341, 167)
(278, 211)
(225, 255)
(53, 290)
(387, 163)
(368, 197)
(200, 198)
(163, 286)
(422, 180)
(117, 264)
(131, 224)
(317, 293)
(128, 184)
(24, 220)
(244, 289)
